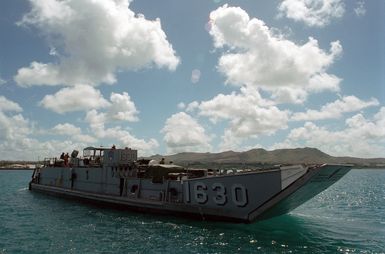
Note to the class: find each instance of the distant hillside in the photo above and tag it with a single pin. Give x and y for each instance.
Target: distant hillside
(262, 156)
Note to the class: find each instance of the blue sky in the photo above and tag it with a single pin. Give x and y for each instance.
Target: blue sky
(203, 76)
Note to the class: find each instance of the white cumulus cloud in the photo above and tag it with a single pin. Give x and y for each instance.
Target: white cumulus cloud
(17, 139)
(17, 142)
(259, 58)
(362, 137)
(66, 129)
(73, 133)
(77, 98)
(123, 137)
(183, 133)
(38, 74)
(93, 40)
(122, 108)
(83, 98)
(8, 105)
(335, 109)
(248, 115)
(315, 13)
(289, 95)
(13, 128)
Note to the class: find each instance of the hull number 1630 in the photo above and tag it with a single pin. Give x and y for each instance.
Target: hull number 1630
(220, 196)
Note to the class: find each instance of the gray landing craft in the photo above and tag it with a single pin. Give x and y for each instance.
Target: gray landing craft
(116, 177)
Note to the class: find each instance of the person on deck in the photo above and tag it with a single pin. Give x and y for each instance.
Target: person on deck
(66, 157)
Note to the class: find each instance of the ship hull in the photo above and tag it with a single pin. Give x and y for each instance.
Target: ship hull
(123, 204)
(234, 197)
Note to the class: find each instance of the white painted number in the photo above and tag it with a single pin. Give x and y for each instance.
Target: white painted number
(200, 192)
(220, 198)
(238, 194)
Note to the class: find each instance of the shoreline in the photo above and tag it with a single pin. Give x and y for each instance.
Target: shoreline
(16, 169)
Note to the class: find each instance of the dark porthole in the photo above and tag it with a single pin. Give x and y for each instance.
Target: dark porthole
(134, 188)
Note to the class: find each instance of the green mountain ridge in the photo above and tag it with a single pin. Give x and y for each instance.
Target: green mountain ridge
(305, 155)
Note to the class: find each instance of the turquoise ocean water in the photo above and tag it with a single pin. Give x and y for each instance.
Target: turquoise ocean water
(349, 217)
